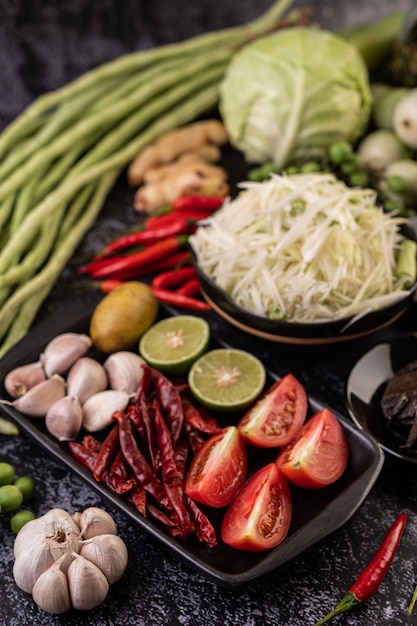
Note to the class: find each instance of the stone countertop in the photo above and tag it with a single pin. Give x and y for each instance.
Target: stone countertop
(157, 588)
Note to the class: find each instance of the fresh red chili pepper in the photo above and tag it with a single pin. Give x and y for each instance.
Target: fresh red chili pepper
(197, 202)
(371, 577)
(141, 259)
(169, 262)
(108, 451)
(179, 226)
(179, 300)
(174, 277)
(190, 288)
(191, 215)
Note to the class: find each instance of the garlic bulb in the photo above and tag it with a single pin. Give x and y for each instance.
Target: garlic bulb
(40, 543)
(62, 352)
(37, 401)
(20, 379)
(108, 553)
(98, 410)
(64, 418)
(124, 370)
(95, 521)
(63, 569)
(86, 378)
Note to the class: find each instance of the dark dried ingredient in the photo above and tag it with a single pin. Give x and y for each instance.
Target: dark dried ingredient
(399, 401)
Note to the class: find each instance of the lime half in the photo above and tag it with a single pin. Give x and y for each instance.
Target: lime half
(173, 344)
(227, 379)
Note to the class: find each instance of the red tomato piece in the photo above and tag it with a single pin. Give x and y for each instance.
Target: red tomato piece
(278, 416)
(218, 470)
(319, 455)
(259, 517)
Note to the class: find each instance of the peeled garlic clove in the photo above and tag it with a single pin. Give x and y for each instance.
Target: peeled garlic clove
(20, 379)
(62, 352)
(85, 378)
(64, 418)
(95, 521)
(124, 370)
(88, 586)
(51, 590)
(99, 408)
(37, 401)
(108, 553)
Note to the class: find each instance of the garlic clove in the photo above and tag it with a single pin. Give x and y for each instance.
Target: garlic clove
(85, 378)
(99, 408)
(95, 521)
(64, 418)
(124, 370)
(51, 589)
(20, 379)
(88, 586)
(37, 401)
(108, 553)
(62, 352)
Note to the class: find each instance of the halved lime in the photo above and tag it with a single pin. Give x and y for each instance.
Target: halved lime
(173, 344)
(227, 379)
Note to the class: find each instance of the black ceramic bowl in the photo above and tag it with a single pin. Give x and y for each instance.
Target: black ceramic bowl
(366, 385)
(315, 333)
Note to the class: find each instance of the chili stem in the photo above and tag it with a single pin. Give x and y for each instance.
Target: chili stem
(413, 601)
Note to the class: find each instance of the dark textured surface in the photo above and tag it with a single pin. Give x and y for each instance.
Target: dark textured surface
(44, 45)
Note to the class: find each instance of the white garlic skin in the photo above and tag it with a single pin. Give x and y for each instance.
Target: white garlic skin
(51, 590)
(37, 401)
(20, 379)
(94, 521)
(124, 370)
(62, 352)
(40, 543)
(64, 418)
(98, 410)
(88, 586)
(86, 377)
(108, 553)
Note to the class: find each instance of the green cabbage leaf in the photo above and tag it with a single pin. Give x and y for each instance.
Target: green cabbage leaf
(288, 96)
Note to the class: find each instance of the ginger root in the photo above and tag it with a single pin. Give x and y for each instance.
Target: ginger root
(189, 175)
(171, 145)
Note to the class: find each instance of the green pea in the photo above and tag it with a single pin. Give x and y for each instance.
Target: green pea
(340, 151)
(311, 167)
(359, 179)
(6, 474)
(10, 498)
(396, 184)
(26, 486)
(19, 519)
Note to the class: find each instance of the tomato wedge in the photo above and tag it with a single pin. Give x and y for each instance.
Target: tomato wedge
(319, 455)
(218, 470)
(259, 517)
(278, 416)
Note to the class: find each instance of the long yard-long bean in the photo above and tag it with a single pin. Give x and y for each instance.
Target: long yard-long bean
(63, 154)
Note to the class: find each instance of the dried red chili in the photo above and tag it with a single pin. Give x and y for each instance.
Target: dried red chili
(141, 468)
(85, 456)
(170, 400)
(202, 526)
(199, 419)
(108, 451)
(119, 476)
(372, 576)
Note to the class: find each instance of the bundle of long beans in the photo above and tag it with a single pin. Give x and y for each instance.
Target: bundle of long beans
(61, 157)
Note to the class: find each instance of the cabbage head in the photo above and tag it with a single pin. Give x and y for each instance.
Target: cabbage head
(289, 95)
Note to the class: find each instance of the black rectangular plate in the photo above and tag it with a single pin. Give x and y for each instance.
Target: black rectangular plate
(316, 513)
